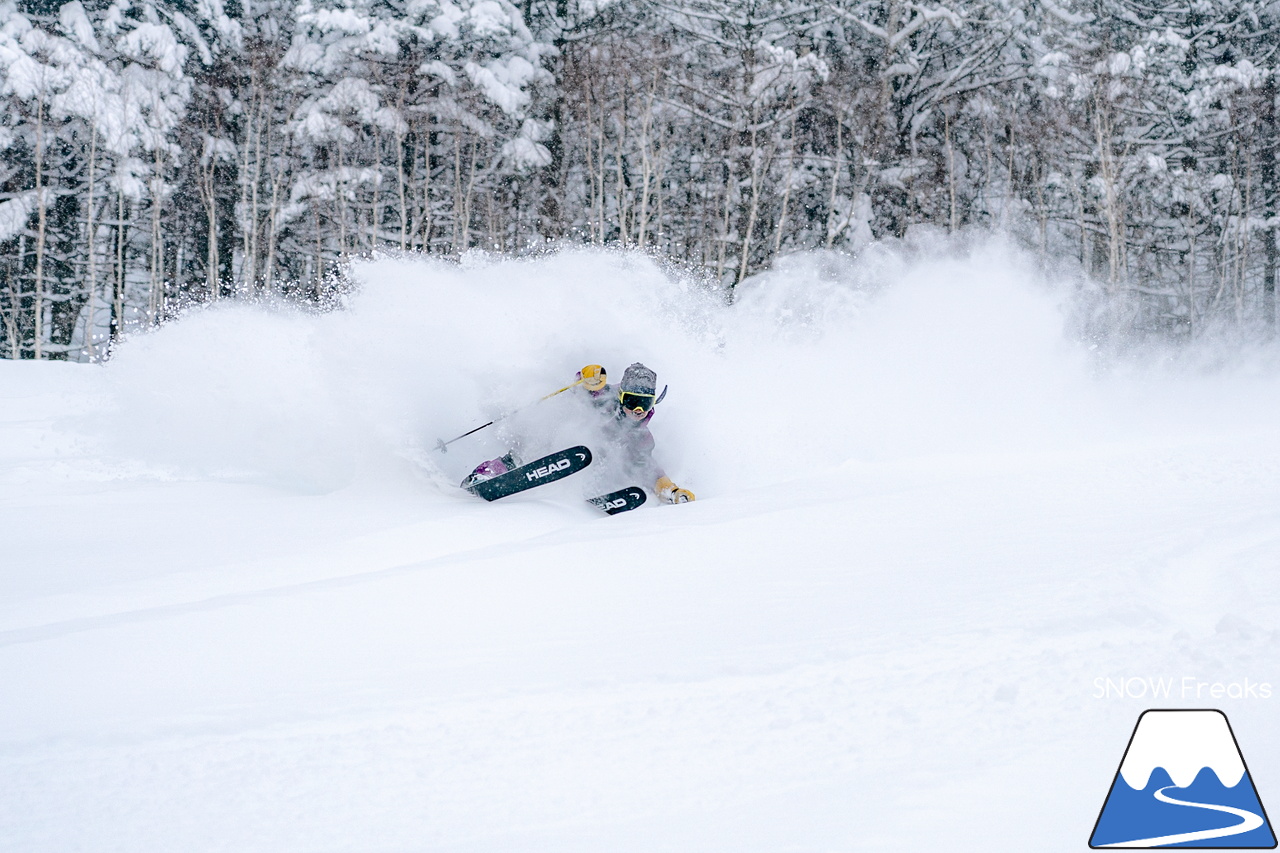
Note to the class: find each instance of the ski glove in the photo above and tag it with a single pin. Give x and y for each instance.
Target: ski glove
(669, 492)
(593, 377)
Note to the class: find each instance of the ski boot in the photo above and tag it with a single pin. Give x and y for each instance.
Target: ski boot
(491, 468)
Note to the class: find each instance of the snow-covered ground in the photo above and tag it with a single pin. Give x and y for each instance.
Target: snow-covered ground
(244, 608)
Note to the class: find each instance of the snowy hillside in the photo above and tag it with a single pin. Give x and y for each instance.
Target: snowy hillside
(244, 607)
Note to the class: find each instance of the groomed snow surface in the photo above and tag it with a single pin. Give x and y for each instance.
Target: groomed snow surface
(244, 607)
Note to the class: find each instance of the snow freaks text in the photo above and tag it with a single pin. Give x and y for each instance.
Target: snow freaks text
(1184, 687)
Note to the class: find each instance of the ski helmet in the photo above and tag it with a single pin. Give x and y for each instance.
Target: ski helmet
(637, 392)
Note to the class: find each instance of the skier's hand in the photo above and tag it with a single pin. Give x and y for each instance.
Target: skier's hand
(669, 492)
(593, 377)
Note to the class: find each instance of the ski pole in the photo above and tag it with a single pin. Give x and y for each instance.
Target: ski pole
(443, 446)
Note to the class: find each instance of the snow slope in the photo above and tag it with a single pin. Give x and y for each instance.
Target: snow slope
(243, 607)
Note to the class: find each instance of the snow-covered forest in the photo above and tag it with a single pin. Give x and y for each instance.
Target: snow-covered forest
(155, 153)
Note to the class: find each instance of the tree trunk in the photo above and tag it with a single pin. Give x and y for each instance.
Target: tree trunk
(835, 177)
(400, 189)
(155, 297)
(209, 190)
(117, 296)
(1269, 202)
(91, 228)
(42, 207)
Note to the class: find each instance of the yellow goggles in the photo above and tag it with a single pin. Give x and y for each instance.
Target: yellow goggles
(638, 403)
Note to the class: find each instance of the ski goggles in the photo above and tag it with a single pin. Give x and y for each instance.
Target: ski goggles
(637, 403)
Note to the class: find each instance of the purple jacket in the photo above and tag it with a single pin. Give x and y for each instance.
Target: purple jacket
(631, 436)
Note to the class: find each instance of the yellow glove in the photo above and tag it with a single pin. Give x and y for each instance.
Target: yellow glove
(593, 377)
(669, 492)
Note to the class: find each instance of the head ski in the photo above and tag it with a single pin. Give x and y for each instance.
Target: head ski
(539, 472)
(623, 500)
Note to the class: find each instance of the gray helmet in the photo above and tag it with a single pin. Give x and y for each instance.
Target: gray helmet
(638, 379)
(636, 391)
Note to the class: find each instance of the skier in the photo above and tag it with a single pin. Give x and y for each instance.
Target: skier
(626, 409)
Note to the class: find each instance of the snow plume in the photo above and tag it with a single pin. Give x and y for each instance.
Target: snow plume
(883, 356)
(827, 361)
(823, 360)
(233, 392)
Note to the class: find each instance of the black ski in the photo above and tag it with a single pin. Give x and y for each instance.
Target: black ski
(539, 472)
(623, 500)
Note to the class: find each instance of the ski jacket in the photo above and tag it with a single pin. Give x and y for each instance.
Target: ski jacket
(631, 436)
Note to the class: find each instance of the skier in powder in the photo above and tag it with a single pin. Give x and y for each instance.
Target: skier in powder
(626, 410)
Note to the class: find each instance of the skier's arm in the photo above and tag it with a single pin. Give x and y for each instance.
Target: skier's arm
(640, 451)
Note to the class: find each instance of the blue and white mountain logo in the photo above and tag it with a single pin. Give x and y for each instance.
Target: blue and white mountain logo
(1183, 783)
